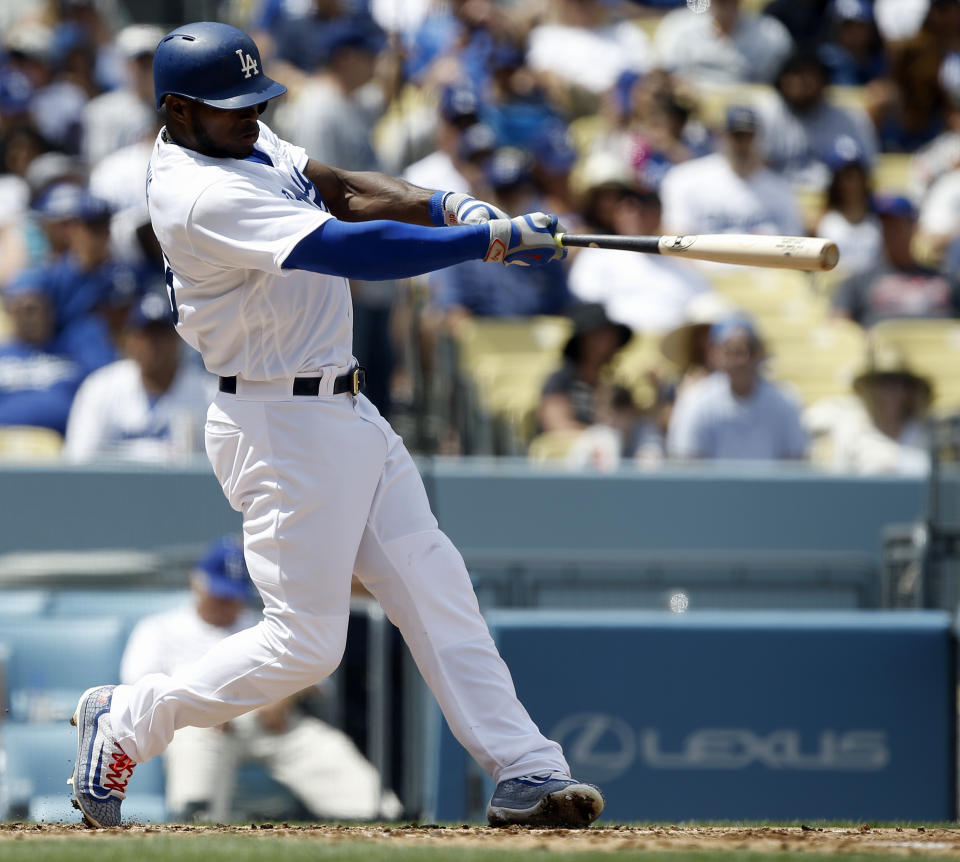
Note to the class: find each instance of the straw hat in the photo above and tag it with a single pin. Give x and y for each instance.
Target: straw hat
(887, 362)
(702, 312)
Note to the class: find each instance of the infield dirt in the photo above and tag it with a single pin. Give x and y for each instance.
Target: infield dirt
(906, 840)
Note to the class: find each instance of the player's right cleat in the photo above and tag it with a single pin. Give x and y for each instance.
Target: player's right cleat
(549, 800)
(102, 770)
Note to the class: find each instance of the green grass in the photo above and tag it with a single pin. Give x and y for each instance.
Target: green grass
(259, 847)
(233, 849)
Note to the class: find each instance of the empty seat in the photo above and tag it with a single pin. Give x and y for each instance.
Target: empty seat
(40, 759)
(130, 604)
(53, 661)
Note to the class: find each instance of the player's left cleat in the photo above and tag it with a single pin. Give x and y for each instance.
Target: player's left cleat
(102, 770)
(549, 800)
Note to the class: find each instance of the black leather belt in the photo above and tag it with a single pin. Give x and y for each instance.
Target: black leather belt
(352, 382)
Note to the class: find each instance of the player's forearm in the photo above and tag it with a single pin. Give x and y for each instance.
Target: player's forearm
(366, 195)
(381, 249)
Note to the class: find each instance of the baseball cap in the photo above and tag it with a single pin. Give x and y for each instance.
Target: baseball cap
(845, 150)
(138, 39)
(852, 10)
(351, 33)
(224, 570)
(894, 205)
(742, 118)
(59, 202)
(554, 150)
(459, 104)
(729, 326)
(29, 281)
(153, 308)
(477, 142)
(509, 166)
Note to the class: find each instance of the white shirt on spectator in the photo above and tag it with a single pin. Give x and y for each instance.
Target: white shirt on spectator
(115, 120)
(590, 58)
(860, 244)
(689, 44)
(705, 195)
(645, 292)
(112, 415)
(437, 171)
(714, 423)
(940, 211)
(796, 145)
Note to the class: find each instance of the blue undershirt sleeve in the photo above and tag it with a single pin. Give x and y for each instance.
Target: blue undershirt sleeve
(382, 249)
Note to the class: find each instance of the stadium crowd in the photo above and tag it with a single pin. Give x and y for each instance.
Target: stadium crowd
(839, 118)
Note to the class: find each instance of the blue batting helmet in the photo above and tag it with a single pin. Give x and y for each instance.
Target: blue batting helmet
(212, 63)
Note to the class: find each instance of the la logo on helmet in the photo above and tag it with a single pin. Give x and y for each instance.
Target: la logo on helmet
(247, 64)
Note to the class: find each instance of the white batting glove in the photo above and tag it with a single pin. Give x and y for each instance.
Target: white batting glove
(461, 208)
(527, 240)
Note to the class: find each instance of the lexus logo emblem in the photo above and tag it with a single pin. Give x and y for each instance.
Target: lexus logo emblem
(599, 747)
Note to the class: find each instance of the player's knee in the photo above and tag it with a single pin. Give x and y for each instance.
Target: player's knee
(311, 647)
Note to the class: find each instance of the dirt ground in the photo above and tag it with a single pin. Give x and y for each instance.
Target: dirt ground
(912, 841)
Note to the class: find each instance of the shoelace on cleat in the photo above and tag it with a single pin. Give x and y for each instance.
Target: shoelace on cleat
(119, 772)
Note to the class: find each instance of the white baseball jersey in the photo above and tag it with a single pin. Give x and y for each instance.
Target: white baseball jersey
(226, 226)
(112, 415)
(705, 195)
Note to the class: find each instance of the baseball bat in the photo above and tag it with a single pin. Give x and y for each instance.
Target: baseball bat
(783, 252)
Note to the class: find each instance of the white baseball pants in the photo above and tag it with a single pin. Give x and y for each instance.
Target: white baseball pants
(327, 489)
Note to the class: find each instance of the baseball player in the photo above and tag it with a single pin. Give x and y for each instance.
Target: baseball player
(260, 241)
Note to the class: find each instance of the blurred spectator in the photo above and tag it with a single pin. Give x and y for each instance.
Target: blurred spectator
(124, 115)
(150, 406)
(517, 106)
(446, 166)
(646, 292)
(853, 53)
(912, 115)
(687, 345)
(800, 127)
(942, 154)
(554, 155)
(807, 21)
(318, 763)
(723, 44)
(578, 396)
(87, 279)
(40, 369)
(736, 413)
(884, 431)
(333, 113)
(730, 191)
(850, 220)
(897, 286)
(470, 289)
(583, 46)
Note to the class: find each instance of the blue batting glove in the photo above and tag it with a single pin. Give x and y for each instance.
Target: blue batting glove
(527, 240)
(460, 208)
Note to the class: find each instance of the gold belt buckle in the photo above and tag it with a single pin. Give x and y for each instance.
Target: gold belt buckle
(355, 379)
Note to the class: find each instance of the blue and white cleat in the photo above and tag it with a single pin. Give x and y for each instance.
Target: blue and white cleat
(102, 770)
(550, 800)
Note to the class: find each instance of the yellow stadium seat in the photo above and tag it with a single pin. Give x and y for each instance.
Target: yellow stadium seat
(24, 442)
(891, 173)
(931, 348)
(848, 96)
(819, 361)
(552, 445)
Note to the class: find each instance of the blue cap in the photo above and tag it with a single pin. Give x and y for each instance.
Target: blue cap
(729, 326)
(894, 205)
(93, 208)
(852, 10)
(28, 281)
(225, 570)
(458, 103)
(60, 201)
(351, 33)
(508, 167)
(153, 308)
(15, 91)
(478, 140)
(554, 150)
(844, 151)
(742, 118)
